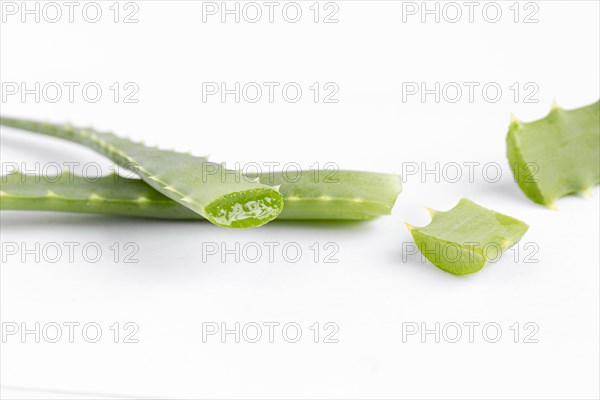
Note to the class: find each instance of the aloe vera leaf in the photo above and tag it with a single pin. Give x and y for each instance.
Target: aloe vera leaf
(463, 239)
(110, 194)
(223, 197)
(345, 195)
(116, 195)
(556, 155)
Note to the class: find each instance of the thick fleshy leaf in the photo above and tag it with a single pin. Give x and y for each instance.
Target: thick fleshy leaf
(462, 240)
(556, 155)
(352, 195)
(223, 197)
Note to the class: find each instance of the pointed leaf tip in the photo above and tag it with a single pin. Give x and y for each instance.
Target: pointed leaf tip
(431, 211)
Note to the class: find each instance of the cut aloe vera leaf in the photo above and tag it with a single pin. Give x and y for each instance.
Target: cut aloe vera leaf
(343, 195)
(557, 155)
(462, 240)
(116, 195)
(223, 197)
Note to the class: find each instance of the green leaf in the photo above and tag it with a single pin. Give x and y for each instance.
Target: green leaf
(463, 239)
(557, 155)
(351, 195)
(335, 195)
(225, 198)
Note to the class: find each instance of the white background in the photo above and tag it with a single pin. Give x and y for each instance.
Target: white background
(373, 289)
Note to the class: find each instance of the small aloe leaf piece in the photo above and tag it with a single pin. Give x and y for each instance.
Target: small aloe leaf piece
(223, 197)
(463, 239)
(556, 155)
(304, 199)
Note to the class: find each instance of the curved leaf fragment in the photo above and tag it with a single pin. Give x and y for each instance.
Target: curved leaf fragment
(557, 155)
(462, 240)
